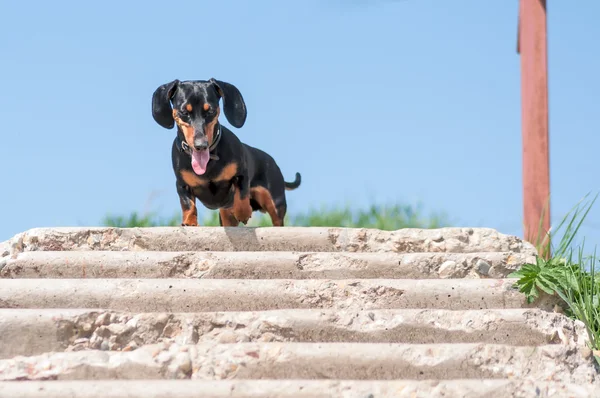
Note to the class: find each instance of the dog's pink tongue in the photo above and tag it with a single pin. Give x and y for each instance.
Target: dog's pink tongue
(200, 160)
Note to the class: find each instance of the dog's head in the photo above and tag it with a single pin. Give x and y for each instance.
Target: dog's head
(194, 107)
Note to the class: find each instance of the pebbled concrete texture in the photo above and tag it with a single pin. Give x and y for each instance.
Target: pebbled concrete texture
(317, 239)
(280, 312)
(465, 388)
(364, 361)
(5, 248)
(77, 330)
(262, 265)
(186, 295)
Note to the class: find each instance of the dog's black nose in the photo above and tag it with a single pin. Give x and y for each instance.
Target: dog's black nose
(200, 145)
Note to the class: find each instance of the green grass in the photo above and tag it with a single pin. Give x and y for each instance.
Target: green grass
(136, 220)
(567, 273)
(385, 217)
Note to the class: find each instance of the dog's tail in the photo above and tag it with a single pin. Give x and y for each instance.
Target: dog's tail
(290, 186)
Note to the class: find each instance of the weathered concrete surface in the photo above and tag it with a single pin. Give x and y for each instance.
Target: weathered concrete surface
(33, 332)
(358, 361)
(295, 389)
(187, 295)
(262, 265)
(282, 312)
(5, 248)
(316, 239)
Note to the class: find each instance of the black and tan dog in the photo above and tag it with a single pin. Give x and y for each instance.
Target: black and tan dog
(210, 162)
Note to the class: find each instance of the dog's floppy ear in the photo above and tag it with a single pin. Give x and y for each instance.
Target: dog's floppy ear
(162, 112)
(233, 103)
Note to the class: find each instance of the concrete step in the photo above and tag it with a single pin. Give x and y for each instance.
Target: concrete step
(315, 239)
(261, 265)
(358, 361)
(188, 295)
(33, 332)
(484, 388)
(279, 312)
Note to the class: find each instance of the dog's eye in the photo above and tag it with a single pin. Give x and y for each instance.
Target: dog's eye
(184, 112)
(210, 111)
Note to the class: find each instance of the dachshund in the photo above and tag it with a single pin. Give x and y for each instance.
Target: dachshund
(210, 163)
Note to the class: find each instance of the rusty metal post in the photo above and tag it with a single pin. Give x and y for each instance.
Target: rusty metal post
(532, 47)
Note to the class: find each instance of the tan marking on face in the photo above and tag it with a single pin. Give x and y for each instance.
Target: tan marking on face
(206, 107)
(263, 197)
(192, 179)
(188, 131)
(209, 128)
(189, 107)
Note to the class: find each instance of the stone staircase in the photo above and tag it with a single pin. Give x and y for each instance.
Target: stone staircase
(279, 312)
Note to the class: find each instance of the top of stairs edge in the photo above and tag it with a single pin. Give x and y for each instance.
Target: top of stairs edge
(299, 239)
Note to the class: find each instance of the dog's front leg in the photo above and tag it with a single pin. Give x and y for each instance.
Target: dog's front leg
(242, 210)
(227, 219)
(188, 206)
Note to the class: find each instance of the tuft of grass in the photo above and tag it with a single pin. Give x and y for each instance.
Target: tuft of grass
(544, 275)
(385, 217)
(549, 273)
(581, 293)
(567, 273)
(151, 219)
(136, 220)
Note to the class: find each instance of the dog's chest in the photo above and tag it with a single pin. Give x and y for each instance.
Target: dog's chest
(215, 195)
(216, 188)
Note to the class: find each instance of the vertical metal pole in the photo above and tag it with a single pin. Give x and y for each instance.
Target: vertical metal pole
(532, 47)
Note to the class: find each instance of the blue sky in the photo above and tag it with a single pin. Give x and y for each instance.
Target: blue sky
(372, 101)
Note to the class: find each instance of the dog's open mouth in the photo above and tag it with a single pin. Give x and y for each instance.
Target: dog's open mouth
(200, 160)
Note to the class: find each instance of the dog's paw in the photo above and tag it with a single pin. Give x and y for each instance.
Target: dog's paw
(243, 216)
(244, 220)
(189, 225)
(242, 213)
